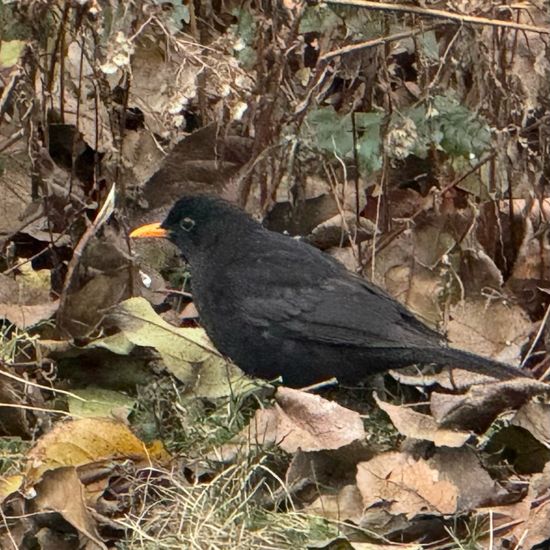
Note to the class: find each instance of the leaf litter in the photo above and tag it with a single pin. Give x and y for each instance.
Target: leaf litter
(451, 458)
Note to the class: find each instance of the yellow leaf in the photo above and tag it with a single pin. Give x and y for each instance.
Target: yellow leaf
(9, 485)
(83, 441)
(10, 53)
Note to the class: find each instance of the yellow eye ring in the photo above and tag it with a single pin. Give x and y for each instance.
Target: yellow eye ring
(187, 224)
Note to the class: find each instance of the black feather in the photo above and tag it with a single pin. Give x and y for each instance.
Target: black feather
(279, 307)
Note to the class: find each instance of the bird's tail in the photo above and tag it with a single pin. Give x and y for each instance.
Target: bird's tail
(481, 365)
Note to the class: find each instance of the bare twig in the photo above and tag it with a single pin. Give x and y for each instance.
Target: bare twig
(377, 41)
(102, 216)
(14, 138)
(40, 386)
(388, 238)
(537, 338)
(440, 14)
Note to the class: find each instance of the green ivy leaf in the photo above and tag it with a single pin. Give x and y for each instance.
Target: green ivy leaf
(464, 132)
(369, 142)
(245, 28)
(447, 125)
(430, 46)
(333, 133)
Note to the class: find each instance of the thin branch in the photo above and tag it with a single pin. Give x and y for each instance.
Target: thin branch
(440, 14)
(392, 235)
(377, 42)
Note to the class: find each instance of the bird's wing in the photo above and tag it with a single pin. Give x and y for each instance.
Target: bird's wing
(324, 302)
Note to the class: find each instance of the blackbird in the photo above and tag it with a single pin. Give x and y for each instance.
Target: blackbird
(280, 307)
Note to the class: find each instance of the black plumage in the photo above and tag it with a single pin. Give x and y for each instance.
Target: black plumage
(279, 307)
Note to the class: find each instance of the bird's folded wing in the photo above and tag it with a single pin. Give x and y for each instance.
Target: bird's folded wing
(340, 311)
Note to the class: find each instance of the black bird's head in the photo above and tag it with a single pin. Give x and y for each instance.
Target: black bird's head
(195, 223)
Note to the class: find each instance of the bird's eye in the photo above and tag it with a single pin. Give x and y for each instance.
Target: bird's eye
(187, 224)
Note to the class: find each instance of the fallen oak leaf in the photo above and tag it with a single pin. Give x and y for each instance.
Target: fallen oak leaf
(346, 505)
(454, 379)
(24, 301)
(463, 468)
(323, 424)
(500, 334)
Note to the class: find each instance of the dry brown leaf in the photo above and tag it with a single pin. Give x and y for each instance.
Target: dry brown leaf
(304, 216)
(49, 539)
(421, 426)
(311, 423)
(152, 67)
(100, 277)
(540, 483)
(14, 176)
(333, 469)
(521, 450)
(413, 284)
(478, 271)
(535, 417)
(346, 505)
(536, 530)
(339, 229)
(476, 409)
(300, 420)
(61, 491)
(206, 160)
(24, 316)
(385, 524)
(532, 257)
(189, 312)
(529, 520)
(507, 516)
(25, 301)
(142, 157)
(13, 419)
(406, 485)
(463, 468)
(494, 329)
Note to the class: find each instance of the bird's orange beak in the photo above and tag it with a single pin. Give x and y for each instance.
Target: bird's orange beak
(149, 230)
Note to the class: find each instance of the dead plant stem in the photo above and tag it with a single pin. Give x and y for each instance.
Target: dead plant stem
(440, 14)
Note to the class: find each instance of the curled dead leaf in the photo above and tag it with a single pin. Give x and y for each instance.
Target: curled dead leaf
(421, 426)
(61, 491)
(535, 417)
(480, 405)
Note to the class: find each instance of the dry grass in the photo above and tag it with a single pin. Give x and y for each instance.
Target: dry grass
(241, 505)
(222, 513)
